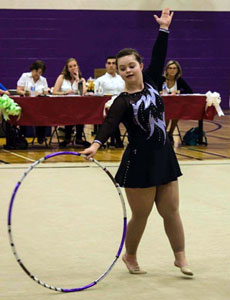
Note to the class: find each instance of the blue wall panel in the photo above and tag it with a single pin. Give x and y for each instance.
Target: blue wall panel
(199, 40)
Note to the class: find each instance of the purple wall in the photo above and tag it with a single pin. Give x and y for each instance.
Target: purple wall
(199, 40)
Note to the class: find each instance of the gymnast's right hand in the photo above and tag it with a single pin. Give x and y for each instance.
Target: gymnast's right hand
(91, 151)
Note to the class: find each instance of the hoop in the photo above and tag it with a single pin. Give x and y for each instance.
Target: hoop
(51, 287)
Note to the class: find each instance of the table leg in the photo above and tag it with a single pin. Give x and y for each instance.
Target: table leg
(201, 140)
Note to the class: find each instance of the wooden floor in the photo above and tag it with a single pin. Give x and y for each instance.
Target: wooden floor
(217, 132)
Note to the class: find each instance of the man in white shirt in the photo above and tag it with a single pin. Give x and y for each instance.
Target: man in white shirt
(34, 84)
(111, 84)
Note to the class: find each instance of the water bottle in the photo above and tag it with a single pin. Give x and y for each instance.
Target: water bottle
(100, 91)
(80, 88)
(32, 91)
(27, 89)
(164, 89)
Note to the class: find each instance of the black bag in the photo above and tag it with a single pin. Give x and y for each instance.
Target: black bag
(191, 137)
(14, 138)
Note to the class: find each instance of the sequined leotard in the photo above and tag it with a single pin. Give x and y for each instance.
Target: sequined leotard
(149, 159)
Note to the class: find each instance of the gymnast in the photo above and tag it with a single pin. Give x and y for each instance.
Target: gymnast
(149, 169)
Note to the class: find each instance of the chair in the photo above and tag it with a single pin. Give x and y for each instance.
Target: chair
(124, 135)
(168, 124)
(54, 132)
(179, 134)
(57, 130)
(99, 72)
(34, 137)
(74, 135)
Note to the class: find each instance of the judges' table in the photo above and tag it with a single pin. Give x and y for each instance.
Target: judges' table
(66, 110)
(187, 107)
(60, 110)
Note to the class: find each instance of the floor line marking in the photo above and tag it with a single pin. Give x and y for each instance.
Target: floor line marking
(184, 155)
(18, 155)
(195, 162)
(209, 153)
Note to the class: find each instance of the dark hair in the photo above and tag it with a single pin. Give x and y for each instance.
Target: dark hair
(38, 64)
(129, 51)
(65, 72)
(179, 69)
(110, 57)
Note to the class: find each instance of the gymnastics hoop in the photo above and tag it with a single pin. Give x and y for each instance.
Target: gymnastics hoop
(51, 287)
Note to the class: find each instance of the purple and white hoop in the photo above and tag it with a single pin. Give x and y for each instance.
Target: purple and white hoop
(77, 289)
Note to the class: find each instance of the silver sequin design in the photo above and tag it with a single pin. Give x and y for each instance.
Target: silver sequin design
(155, 118)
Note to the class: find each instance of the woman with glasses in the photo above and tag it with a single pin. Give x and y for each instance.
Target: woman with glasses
(172, 83)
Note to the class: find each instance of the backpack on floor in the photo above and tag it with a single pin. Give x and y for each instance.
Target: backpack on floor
(14, 138)
(191, 137)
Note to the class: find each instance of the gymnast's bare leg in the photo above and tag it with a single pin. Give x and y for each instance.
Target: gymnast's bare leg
(141, 202)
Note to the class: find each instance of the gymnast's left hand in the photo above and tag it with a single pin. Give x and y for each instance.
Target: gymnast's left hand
(91, 151)
(165, 19)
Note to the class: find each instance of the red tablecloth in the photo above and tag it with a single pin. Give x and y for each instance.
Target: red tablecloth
(54, 111)
(187, 107)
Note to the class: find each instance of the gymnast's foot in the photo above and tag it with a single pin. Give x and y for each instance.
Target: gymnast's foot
(181, 262)
(132, 265)
(185, 269)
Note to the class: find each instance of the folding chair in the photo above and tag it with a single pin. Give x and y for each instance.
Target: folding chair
(54, 132)
(179, 134)
(34, 137)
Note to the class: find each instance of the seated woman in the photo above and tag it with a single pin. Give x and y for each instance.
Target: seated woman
(68, 82)
(3, 90)
(34, 84)
(172, 83)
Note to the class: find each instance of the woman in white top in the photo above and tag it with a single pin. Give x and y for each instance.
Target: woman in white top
(34, 84)
(70, 81)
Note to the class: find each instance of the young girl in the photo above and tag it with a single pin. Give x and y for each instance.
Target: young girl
(149, 168)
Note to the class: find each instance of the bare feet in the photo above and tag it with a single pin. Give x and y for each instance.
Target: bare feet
(132, 264)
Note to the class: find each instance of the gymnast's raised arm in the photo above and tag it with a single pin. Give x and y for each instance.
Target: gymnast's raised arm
(156, 66)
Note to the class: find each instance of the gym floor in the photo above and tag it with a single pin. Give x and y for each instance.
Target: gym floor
(67, 225)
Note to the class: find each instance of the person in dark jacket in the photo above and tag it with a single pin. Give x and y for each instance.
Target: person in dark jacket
(172, 83)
